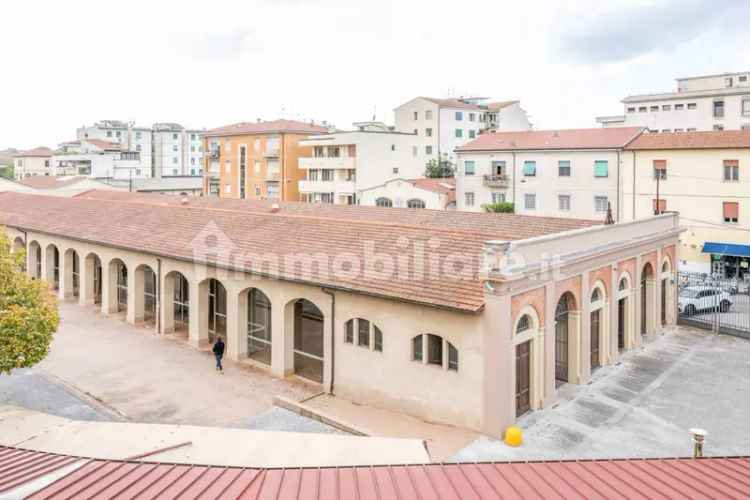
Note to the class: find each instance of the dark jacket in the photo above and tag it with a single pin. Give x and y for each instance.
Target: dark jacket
(219, 348)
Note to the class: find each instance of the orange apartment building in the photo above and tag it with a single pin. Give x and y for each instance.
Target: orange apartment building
(257, 160)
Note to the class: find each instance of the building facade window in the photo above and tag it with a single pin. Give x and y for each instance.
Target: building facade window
(718, 109)
(731, 212)
(529, 168)
(469, 199)
(469, 167)
(428, 132)
(416, 115)
(666, 107)
(384, 202)
(679, 107)
(367, 334)
(601, 203)
(498, 197)
(731, 170)
(459, 133)
(529, 201)
(428, 115)
(601, 168)
(660, 170)
(415, 203)
(691, 105)
(746, 106)
(472, 134)
(430, 349)
(428, 150)
(563, 168)
(563, 202)
(459, 116)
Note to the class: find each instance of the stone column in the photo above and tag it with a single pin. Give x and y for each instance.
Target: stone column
(86, 282)
(66, 276)
(166, 303)
(280, 366)
(198, 335)
(550, 392)
(636, 340)
(136, 299)
(498, 390)
(657, 292)
(233, 324)
(327, 345)
(109, 289)
(614, 351)
(583, 367)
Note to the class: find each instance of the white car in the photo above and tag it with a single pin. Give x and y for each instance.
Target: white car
(700, 298)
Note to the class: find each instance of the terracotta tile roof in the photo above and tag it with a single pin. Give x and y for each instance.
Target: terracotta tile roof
(161, 225)
(585, 138)
(51, 181)
(106, 145)
(441, 185)
(271, 127)
(497, 106)
(453, 103)
(667, 478)
(40, 152)
(726, 139)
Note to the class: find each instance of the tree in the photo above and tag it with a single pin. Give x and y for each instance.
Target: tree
(435, 169)
(502, 207)
(28, 312)
(7, 171)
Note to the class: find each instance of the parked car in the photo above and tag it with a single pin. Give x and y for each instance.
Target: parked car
(693, 299)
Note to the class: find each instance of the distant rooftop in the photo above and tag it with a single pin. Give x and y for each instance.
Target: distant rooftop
(725, 139)
(267, 127)
(40, 152)
(586, 138)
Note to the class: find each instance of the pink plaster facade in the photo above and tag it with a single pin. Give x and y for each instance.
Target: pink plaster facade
(603, 274)
(534, 298)
(572, 285)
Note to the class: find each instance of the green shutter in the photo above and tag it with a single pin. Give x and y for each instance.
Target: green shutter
(469, 167)
(529, 168)
(601, 168)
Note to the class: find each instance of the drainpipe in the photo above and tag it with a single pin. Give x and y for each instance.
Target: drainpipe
(158, 295)
(618, 186)
(515, 205)
(333, 332)
(634, 176)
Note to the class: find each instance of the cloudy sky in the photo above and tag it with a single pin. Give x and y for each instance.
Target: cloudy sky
(206, 64)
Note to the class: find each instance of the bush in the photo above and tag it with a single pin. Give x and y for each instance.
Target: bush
(504, 207)
(28, 313)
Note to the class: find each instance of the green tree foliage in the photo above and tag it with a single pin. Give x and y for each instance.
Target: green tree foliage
(439, 169)
(28, 312)
(504, 207)
(7, 171)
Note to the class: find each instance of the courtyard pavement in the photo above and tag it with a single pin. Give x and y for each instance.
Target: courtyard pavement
(644, 405)
(101, 368)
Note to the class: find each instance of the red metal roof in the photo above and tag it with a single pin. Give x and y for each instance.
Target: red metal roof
(629, 479)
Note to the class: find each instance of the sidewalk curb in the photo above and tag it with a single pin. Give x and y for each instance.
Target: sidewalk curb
(110, 411)
(305, 411)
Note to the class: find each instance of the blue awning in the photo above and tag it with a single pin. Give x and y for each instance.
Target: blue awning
(726, 249)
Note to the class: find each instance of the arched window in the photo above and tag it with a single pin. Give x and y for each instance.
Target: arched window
(623, 284)
(596, 295)
(367, 334)
(665, 267)
(523, 324)
(384, 202)
(415, 203)
(429, 348)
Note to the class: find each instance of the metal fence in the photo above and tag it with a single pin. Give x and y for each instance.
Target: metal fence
(721, 305)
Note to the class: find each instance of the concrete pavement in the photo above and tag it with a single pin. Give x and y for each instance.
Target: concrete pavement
(644, 405)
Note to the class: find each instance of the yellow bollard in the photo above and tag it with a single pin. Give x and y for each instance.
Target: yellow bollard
(513, 436)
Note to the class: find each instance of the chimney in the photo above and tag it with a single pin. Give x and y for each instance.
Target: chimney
(699, 437)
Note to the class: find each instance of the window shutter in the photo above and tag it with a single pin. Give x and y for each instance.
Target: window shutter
(660, 164)
(731, 210)
(529, 168)
(601, 168)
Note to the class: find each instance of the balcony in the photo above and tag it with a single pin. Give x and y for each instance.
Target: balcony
(272, 174)
(496, 181)
(339, 187)
(271, 153)
(325, 163)
(214, 154)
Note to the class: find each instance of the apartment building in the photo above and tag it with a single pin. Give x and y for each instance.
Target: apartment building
(424, 313)
(37, 161)
(447, 124)
(705, 177)
(258, 160)
(564, 173)
(700, 103)
(165, 149)
(344, 163)
(98, 159)
(176, 151)
(432, 194)
(126, 134)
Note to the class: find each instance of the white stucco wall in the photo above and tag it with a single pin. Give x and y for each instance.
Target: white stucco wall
(400, 192)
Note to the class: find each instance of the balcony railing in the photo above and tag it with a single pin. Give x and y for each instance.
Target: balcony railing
(496, 181)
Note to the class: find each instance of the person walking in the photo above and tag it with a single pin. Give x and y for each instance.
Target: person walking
(219, 353)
